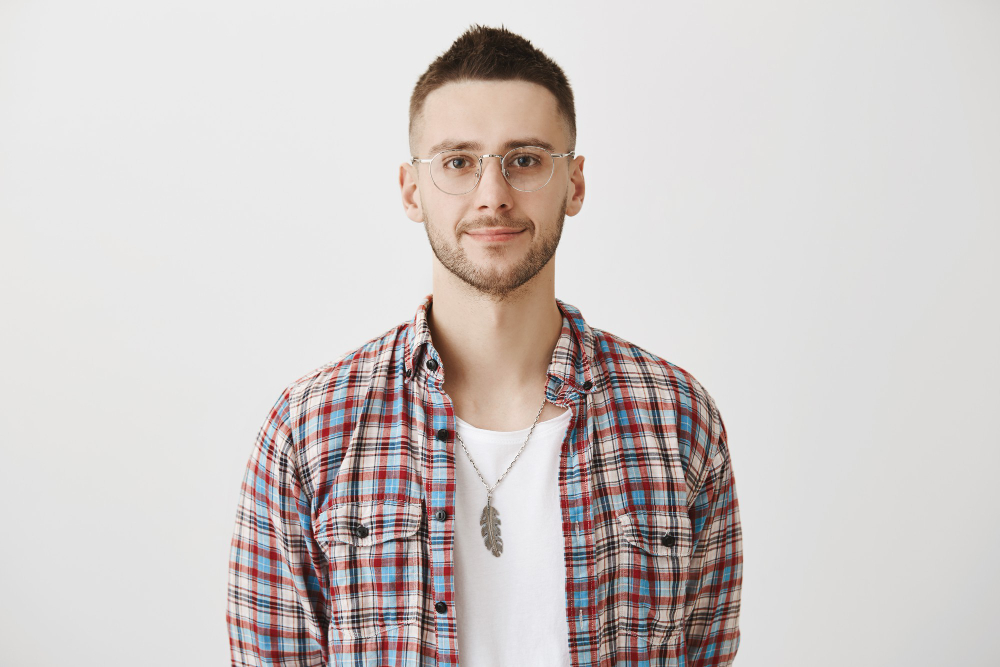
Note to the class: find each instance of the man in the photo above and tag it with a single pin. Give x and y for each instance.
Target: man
(494, 482)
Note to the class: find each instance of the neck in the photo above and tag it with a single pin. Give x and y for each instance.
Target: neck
(494, 349)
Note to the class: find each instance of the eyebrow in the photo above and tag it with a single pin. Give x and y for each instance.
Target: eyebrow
(476, 146)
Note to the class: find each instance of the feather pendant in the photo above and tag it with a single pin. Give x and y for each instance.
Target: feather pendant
(490, 521)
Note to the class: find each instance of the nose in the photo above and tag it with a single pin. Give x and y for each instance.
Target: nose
(493, 191)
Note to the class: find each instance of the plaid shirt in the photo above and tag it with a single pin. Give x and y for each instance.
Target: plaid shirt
(343, 551)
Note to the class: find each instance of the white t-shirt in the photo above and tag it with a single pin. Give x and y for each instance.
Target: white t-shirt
(511, 609)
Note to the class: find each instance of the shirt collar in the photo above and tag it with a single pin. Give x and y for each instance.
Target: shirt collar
(571, 358)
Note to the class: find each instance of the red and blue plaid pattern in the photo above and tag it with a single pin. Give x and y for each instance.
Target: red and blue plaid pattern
(341, 554)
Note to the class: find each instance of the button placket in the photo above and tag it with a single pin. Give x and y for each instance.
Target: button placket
(438, 440)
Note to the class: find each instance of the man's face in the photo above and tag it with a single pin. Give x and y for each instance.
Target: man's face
(489, 115)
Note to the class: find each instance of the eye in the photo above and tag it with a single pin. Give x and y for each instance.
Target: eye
(458, 162)
(525, 160)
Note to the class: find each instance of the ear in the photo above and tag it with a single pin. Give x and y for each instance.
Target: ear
(576, 187)
(410, 192)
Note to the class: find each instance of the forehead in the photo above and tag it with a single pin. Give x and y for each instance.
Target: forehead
(491, 113)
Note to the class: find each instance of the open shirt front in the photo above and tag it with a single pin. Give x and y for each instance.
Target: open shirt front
(343, 551)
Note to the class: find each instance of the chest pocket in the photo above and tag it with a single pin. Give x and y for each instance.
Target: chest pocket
(653, 561)
(373, 549)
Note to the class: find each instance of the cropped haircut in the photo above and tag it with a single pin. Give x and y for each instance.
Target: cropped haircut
(482, 53)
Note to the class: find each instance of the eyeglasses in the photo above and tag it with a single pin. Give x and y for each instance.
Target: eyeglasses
(526, 168)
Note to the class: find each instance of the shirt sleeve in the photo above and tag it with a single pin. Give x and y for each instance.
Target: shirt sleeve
(712, 633)
(277, 607)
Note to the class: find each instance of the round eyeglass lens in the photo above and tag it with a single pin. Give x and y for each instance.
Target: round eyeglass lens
(528, 168)
(455, 172)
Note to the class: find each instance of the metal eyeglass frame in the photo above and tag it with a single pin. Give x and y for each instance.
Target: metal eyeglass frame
(503, 167)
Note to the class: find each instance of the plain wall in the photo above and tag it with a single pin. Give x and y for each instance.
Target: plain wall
(796, 202)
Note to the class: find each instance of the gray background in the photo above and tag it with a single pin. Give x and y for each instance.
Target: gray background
(796, 202)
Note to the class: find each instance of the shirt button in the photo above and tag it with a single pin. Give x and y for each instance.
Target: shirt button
(442, 434)
(361, 531)
(587, 385)
(667, 540)
(440, 515)
(441, 607)
(431, 365)
(407, 372)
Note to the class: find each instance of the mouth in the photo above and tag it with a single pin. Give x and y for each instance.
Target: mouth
(496, 234)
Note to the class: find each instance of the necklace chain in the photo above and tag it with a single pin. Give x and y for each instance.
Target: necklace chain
(489, 489)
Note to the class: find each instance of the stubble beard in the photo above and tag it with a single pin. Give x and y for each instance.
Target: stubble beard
(501, 283)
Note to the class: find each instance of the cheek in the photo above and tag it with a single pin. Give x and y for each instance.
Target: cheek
(447, 211)
(440, 216)
(550, 209)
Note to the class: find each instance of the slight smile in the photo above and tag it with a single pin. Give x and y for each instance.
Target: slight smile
(493, 234)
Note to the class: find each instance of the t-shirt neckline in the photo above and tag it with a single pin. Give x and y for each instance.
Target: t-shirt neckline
(558, 421)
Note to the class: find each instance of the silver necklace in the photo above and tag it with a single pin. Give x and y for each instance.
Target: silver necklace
(490, 519)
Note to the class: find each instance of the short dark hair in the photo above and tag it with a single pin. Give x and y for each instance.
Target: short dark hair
(495, 54)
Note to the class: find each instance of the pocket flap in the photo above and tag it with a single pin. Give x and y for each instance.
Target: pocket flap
(362, 524)
(657, 532)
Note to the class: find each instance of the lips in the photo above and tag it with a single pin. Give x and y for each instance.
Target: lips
(495, 231)
(496, 235)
